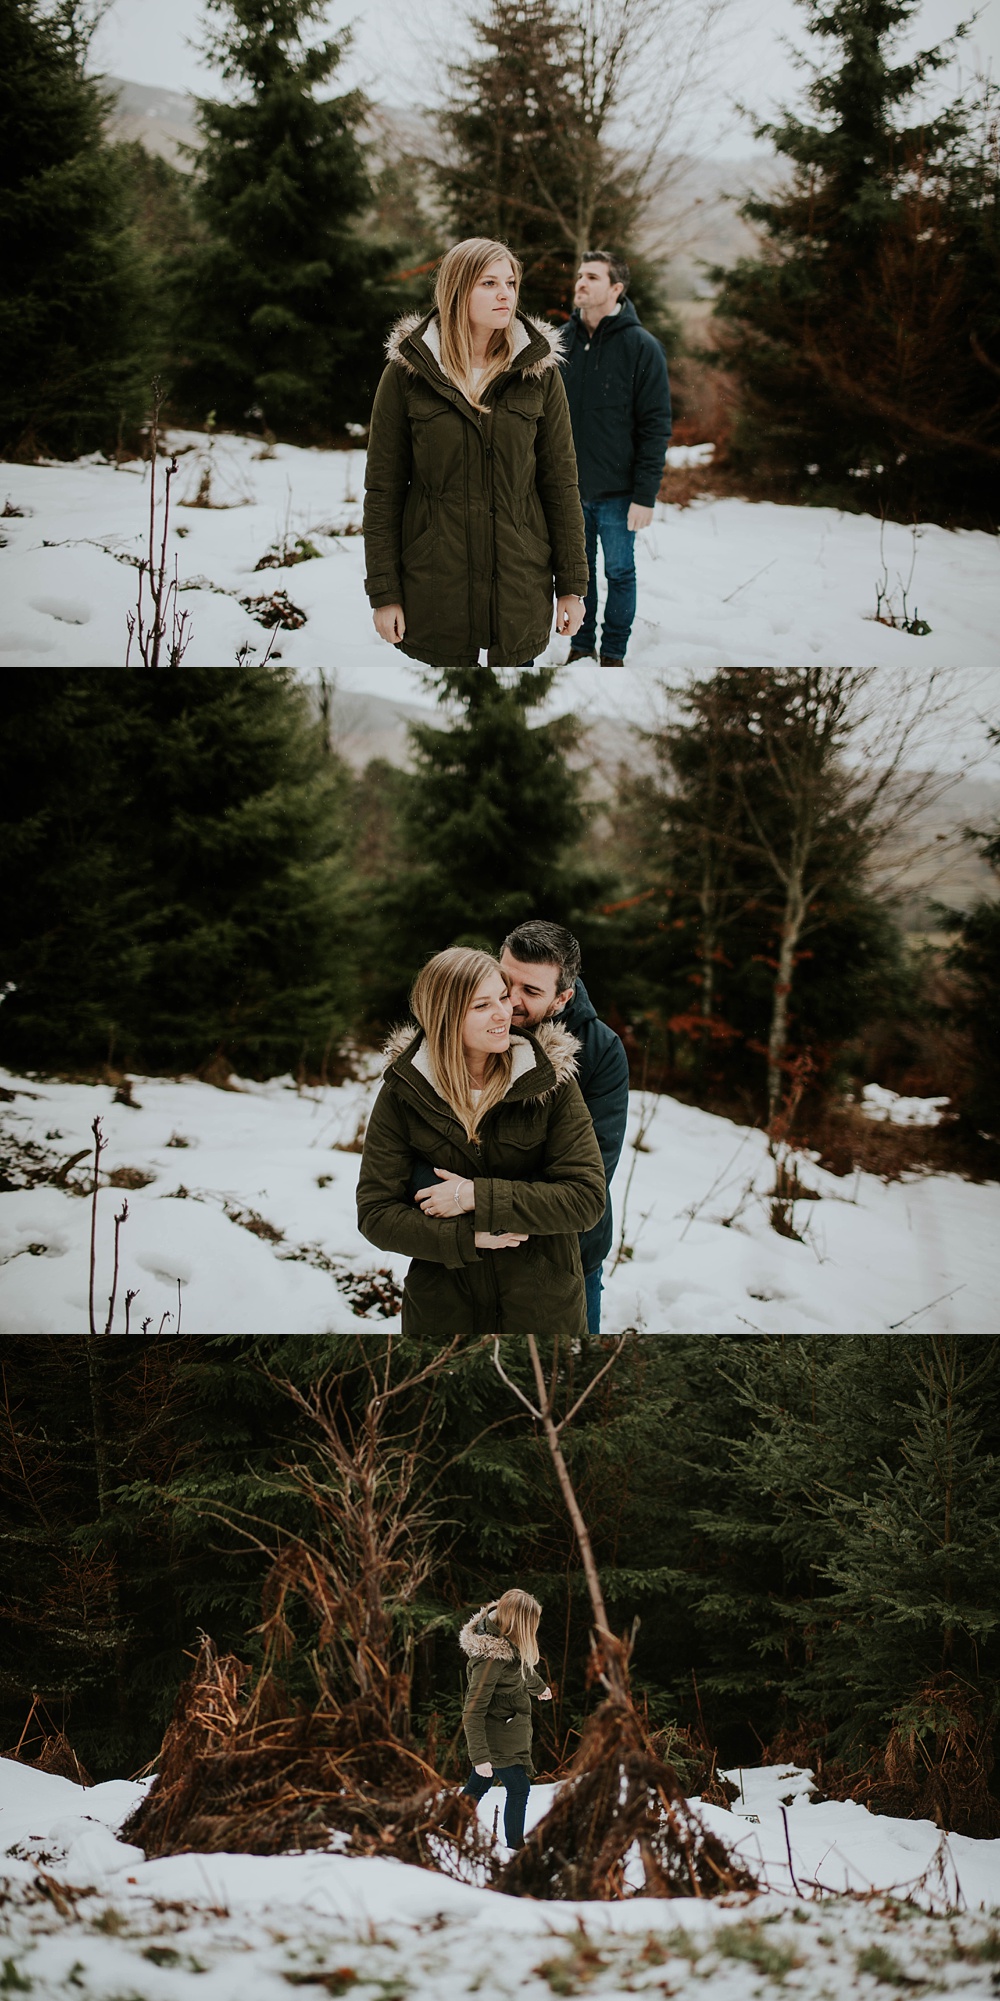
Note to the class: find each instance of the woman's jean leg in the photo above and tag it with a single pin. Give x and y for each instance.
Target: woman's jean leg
(515, 1780)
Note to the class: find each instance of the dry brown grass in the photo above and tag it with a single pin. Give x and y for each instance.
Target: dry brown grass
(936, 1763)
(256, 1773)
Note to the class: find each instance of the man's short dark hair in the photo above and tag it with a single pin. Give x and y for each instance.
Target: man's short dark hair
(539, 943)
(618, 271)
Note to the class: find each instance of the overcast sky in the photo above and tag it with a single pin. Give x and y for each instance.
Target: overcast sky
(400, 46)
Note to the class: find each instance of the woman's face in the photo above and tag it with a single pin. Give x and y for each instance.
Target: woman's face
(493, 297)
(486, 1027)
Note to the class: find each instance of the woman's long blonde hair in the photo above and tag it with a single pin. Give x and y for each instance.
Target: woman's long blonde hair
(442, 993)
(517, 1615)
(459, 270)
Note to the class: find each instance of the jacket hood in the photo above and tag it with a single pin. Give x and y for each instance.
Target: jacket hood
(539, 344)
(626, 316)
(552, 1041)
(480, 1639)
(580, 1009)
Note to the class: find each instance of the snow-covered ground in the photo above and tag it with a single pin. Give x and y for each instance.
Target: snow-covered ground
(86, 1915)
(249, 1206)
(721, 583)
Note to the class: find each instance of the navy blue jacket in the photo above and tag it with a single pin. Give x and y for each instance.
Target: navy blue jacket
(619, 403)
(602, 1074)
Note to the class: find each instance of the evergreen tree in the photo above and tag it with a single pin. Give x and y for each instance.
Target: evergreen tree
(867, 335)
(752, 930)
(281, 305)
(489, 816)
(509, 122)
(175, 881)
(76, 299)
(853, 1552)
(530, 162)
(975, 957)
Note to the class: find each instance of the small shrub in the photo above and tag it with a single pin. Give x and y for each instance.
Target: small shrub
(277, 609)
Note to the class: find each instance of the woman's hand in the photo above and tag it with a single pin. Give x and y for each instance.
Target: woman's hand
(569, 616)
(390, 623)
(486, 1241)
(455, 1197)
(545, 1695)
(485, 1771)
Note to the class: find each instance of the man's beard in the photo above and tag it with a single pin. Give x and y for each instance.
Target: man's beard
(539, 1020)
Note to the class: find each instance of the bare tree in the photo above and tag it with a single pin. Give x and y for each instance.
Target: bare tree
(831, 768)
(577, 121)
(614, 1671)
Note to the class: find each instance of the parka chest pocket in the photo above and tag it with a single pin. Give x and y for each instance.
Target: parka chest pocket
(525, 398)
(437, 442)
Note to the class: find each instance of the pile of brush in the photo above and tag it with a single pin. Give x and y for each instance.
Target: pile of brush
(262, 1775)
(45, 1746)
(936, 1763)
(621, 1800)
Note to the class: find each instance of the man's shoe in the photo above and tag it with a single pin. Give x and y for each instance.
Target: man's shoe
(580, 653)
(610, 660)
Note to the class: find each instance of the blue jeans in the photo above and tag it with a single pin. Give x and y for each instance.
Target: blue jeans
(607, 518)
(592, 1281)
(518, 1785)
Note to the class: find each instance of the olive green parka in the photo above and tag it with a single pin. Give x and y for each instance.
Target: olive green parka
(497, 1712)
(536, 1167)
(472, 524)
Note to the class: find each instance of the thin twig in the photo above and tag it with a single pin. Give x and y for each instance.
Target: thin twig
(788, 1847)
(99, 1144)
(122, 1217)
(918, 1310)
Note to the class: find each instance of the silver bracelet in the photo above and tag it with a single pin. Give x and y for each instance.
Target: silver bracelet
(459, 1185)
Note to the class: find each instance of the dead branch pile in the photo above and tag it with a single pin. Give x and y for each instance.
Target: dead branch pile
(620, 1793)
(264, 1776)
(936, 1763)
(46, 1747)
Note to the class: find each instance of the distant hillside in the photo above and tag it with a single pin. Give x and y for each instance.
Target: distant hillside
(370, 726)
(162, 119)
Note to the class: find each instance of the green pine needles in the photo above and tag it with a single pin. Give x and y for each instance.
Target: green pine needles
(177, 877)
(489, 817)
(866, 336)
(279, 306)
(76, 301)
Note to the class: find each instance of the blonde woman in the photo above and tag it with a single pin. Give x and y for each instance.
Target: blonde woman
(501, 1641)
(472, 509)
(512, 1171)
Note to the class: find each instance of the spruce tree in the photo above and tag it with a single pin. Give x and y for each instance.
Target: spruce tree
(529, 161)
(866, 337)
(975, 1007)
(509, 123)
(281, 305)
(490, 813)
(76, 301)
(751, 927)
(176, 881)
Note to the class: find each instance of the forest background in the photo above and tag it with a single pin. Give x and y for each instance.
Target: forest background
(804, 1530)
(851, 354)
(198, 881)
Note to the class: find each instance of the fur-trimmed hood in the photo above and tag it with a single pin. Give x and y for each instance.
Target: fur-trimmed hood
(482, 1645)
(424, 327)
(554, 1042)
